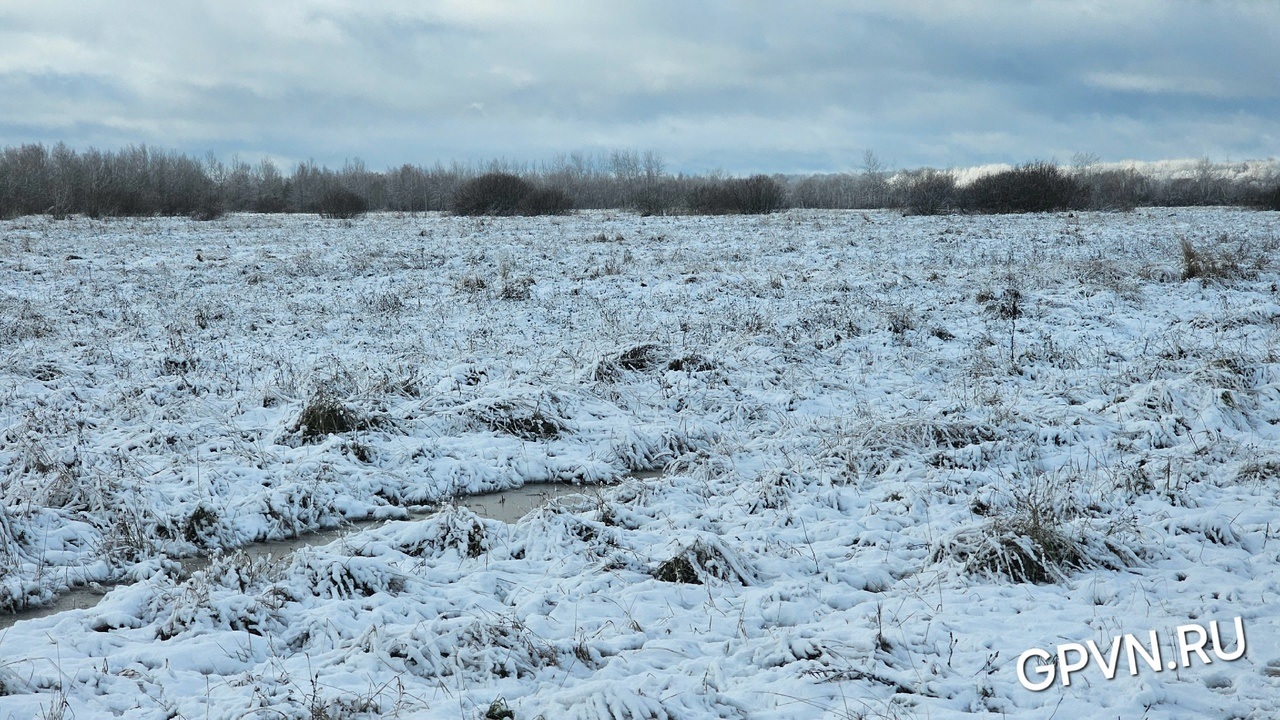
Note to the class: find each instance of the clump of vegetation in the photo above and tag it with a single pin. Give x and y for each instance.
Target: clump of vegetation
(345, 576)
(199, 525)
(692, 362)
(545, 201)
(1034, 187)
(504, 194)
(1268, 199)
(490, 194)
(928, 192)
(454, 529)
(1116, 190)
(1024, 550)
(519, 288)
(342, 204)
(1039, 539)
(209, 208)
(325, 415)
(477, 652)
(704, 559)
(473, 283)
(755, 195)
(1220, 263)
(678, 569)
(526, 418)
(637, 358)
(498, 710)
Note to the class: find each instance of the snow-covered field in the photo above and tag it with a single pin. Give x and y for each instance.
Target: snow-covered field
(897, 453)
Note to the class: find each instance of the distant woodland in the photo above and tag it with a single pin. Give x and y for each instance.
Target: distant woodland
(141, 181)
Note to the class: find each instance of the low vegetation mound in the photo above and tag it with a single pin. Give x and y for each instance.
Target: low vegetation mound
(504, 194)
(1034, 187)
(342, 204)
(1268, 199)
(756, 195)
(929, 192)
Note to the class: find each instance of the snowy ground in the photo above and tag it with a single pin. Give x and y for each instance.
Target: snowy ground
(898, 453)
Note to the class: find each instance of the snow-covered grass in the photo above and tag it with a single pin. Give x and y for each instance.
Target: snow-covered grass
(898, 453)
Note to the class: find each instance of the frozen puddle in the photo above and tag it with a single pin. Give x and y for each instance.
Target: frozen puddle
(506, 505)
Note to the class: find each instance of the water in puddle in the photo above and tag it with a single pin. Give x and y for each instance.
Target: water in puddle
(505, 505)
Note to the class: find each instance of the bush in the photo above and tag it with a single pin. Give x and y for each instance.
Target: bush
(342, 204)
(490, 194)
(1112, 189)
(1268, 199)
(1034, 187)
(210, 207)
(545, 201)
(654, 198)
(710, 198)
(756, 195)
(759, 195)
(928, 192)
(504, 194)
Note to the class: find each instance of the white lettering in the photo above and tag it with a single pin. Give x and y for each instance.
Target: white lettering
(1042, 668)
(1217, 641)
(1038, 668)
(1070, 667)
(1108, 668)
(1134, 648)
(1198, 648)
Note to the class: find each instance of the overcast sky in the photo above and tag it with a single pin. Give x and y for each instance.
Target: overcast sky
(738, 85)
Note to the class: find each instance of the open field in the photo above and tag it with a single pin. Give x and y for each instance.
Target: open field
(896, 452)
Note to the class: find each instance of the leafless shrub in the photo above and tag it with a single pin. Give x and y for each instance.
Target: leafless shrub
(545, 201)
(342, 204)
(1267, 199)
(1034, 187)
(756, 195)
(928, 192)
(504, 194)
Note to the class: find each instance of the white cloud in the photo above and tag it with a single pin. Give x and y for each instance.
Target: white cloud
(1156, 84)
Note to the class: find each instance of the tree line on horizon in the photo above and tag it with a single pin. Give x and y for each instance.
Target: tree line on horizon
(141, 181)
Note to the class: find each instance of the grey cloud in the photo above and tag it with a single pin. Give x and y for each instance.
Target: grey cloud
(742, 85)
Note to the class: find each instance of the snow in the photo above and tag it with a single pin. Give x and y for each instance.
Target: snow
(896, 453)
